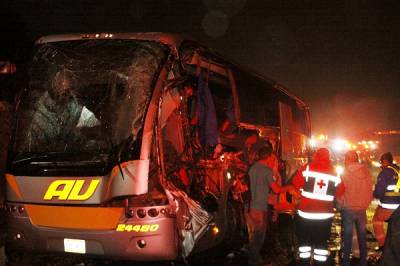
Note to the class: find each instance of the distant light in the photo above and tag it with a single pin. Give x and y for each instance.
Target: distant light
(97, 35)
(313, 143)
(110, 35)
(339, 170)
(340, 145)
(215, 230)
(376, 164)
(322, 137)
(7, 67)
(373, 146)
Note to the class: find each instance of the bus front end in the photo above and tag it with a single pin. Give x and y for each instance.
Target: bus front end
(130, 233)
(80, 176)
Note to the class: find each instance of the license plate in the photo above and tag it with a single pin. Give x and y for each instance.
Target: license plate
(74, 245)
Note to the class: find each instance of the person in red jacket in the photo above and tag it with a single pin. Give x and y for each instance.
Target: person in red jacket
(318, 187)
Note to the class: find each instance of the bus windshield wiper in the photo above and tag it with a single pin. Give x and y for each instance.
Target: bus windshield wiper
(54, 158)
(31, 158)
(116, 157)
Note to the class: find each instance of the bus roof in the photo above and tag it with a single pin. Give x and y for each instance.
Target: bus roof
(170, 39)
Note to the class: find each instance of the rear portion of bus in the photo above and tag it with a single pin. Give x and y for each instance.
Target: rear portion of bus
(77, 180)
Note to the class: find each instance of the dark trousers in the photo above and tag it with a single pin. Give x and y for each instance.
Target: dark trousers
(312, 238)
(257, 226)
(359, 218)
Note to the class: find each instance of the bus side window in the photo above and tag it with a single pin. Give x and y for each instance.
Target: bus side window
(258, 101)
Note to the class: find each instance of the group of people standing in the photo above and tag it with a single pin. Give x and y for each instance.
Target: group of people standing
(320, 190)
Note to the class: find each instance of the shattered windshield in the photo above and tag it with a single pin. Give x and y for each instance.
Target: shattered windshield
(87, 96)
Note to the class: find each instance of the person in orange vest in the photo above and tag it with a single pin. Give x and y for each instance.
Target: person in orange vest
(318, 187)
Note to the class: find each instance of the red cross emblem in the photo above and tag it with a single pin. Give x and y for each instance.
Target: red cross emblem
(321, 184)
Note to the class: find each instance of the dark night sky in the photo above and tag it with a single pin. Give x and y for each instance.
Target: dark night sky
(341, 57)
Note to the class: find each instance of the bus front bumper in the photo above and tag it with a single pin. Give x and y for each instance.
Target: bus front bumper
(144, 240)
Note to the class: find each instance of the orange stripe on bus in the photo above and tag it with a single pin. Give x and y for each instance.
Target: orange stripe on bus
(69, 217)
(13, 184)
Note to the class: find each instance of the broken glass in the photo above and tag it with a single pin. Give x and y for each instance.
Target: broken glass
(84, 95)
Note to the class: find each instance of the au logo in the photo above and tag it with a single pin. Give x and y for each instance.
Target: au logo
(70, 190)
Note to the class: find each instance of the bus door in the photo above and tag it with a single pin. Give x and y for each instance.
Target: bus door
(293, 140)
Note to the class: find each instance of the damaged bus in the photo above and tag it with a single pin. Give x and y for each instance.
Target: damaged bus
(128, 146)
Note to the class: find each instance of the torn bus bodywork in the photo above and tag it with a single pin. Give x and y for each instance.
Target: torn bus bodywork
(129, 145)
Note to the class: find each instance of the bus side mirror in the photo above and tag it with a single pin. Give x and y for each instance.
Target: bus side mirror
(13, 79)
(7, 68)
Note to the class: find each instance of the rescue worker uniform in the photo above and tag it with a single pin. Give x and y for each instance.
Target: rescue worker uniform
(318, 187)
(387, 191)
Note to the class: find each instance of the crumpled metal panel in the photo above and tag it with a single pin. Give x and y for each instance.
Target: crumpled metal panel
(192, 219)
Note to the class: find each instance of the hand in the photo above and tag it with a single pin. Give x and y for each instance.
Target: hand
(294, 192)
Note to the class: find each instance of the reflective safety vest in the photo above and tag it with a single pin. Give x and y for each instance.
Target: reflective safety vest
(319, 254)
(315, 216)
(319, 186)
(392, 192)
